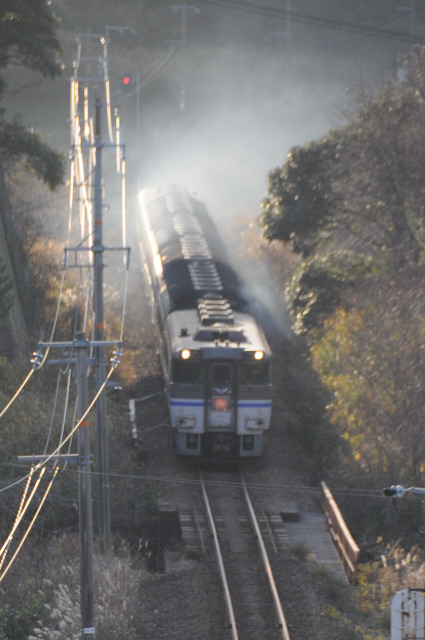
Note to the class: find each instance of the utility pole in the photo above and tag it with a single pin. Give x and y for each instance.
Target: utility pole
(288, 50)
(183, 8)
(99, 335)
(287, 39)
(85, 500)
(83, 459)
(93, 245)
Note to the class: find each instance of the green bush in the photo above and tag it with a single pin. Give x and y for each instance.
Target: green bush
(16, 621)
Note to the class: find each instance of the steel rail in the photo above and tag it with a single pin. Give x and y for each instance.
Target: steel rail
(266, 562)
(217, 549)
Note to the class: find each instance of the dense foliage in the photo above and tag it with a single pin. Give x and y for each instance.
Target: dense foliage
(28, 39)
(352, 207)
(299, 204)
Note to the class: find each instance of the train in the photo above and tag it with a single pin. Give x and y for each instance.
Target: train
(215, 358)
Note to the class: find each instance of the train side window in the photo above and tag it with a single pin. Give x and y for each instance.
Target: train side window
(254, 373)
(184, 372)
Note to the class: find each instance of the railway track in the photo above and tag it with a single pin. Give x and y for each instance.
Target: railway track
(252, 600)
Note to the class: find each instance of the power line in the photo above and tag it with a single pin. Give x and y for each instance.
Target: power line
(4, 549)
(342, 492)
(56, 451)
(316, 21)
(49, 486)
(17, 393)
(37, 361)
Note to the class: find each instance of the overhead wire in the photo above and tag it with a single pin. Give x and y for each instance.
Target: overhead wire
(296, 489)
(397, 17)
(71, 439)
(342, 492)
(3, 551)
(80, 420)
(52, 419)
(107, 87)
(161, 66)
(22, 508)
(124, 305)
(17, 392)
(56, 451)
(24, 537)
(317, 21)
(65, 410)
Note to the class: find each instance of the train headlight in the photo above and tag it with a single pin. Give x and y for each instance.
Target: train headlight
(258, 355)
(185, 354)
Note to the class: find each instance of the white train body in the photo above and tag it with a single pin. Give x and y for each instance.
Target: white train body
(214, 356)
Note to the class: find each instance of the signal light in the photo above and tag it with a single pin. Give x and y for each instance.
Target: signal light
(126, 81)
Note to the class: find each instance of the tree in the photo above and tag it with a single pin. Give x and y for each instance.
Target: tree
(28, 39)
(362, 186)
(300, 203)
(359, 190)
(372, 361)
(380, 189)
(318, 286)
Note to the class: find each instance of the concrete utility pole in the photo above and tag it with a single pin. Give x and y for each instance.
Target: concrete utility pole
(83, 459)
(287, 39)
(412, 19)
(99, 335)
(85, 499)
(183, 8)
(97, 249)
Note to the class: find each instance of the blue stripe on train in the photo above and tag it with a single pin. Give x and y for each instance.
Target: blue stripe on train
(254, 405)
(186, 403)
(200, 403)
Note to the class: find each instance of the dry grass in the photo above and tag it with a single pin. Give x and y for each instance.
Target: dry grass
(116, 584)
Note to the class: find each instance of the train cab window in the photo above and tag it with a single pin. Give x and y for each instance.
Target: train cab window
(254, 373)
(187, 372)
(222, 376)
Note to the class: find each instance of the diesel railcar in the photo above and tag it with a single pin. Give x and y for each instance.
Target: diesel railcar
(214, 356)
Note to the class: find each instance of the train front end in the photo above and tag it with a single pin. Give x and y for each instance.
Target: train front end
(219, 386)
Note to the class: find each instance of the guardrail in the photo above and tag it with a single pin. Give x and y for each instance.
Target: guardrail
(346, 547)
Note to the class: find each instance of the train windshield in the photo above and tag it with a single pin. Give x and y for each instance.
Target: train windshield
(254, 373)
(222, 376)
(187, 372)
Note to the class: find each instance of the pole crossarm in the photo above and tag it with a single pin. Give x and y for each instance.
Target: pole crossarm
(73, 458)
(78, 343)
(94, 249)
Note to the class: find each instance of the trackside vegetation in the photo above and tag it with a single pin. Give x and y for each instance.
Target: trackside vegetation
(351, 207)
(28, 40)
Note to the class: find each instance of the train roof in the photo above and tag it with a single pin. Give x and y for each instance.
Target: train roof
(186, 331)
(194, 260)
